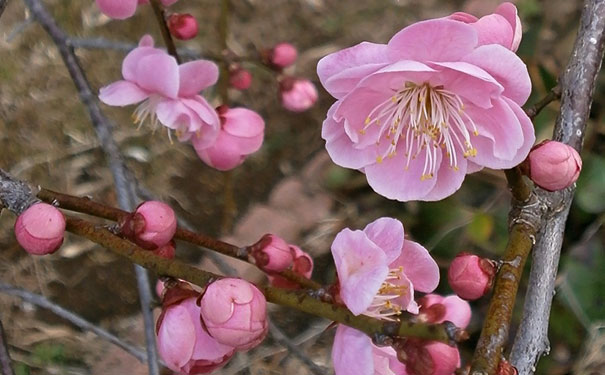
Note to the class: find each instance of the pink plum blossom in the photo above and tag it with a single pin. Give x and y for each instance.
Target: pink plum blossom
(235, 313)
(40, 229)
(297, 94)
(182, 26)
(272, 254)
(168, 92)
(122, 9)
(184, 344)
(241, 134)
(302, 266)
(441, 99)
(470, 276)
(378, 270)
(553, 165)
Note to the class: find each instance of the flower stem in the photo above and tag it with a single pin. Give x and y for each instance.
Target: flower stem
(160, 16)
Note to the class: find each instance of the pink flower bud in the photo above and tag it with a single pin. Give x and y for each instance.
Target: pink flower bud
(553, 165)
(297, 94)
(429, 357)
(437, 309)
(167, 251)
(242, 132)
(151, 226)
(40, 229)
(183, 344)
(272, 254)
(470, 276)
(235, 313)
(240, 78)
(283, 55)
(182, 26)
(302, 265)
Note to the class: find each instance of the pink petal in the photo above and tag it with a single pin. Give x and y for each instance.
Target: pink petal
(394, 76)
(361, 266)
(206, 347)
(469, 82)
(340, 72)
(132, 60)
(529, 135)
(122, 93)
(175, 115)
(506, 67)
(433, 40)
(244, 123)
(352, 352)
(201, 108)
(392, 180)
(118, 9)
(418, 266)
(462, 17)
(195, 76)
(342, 150)
(472, 167)
(224, 154)
(494, 29)
(509, 12)
(158, 73)
(168, 2)
(387, 233)
(176, 337)
(457, 311)
(448, 180)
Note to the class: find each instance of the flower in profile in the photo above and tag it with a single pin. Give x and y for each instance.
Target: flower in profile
(241, 133)
(168, 92)
(378, 270)
(122, 9)
(297, 94)
(553, 165)
(441, 99)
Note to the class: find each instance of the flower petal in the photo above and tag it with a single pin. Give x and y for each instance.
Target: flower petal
(448, 180)
(509, 11)
(243, 122)
(506, 67)
(176, 337)
(132, 60)
(118, 9)
(122, 93)
(433, 40)
(195, 76)
(352, 352)
(457, 311)
(494, 29)
(418, 266)
(387, 233)
(340, 72)
(158, 73)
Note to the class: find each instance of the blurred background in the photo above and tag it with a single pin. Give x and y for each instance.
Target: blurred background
(289, 187)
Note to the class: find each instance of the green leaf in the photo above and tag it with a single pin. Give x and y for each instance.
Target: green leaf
(481, 228)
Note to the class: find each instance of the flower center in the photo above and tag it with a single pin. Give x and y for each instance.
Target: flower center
(147, 109)
(423, 118)
(386, 304)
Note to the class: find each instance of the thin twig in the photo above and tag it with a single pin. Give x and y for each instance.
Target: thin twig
(160, 16)
(3, 4)
(73, 318)
(122, 178)
(5, 358)
(283, 340)
(553, 94)
(578, 84)
(102, 43)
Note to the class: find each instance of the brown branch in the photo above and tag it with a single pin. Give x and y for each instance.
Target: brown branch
(553, 94)
(160, 16)
(88, 206)
(5, 358)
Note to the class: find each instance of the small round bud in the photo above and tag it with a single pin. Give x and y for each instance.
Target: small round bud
(428, 357)
(302, 265)
(151, 226)
(182, 26)
(240, 78)
(272, 254)
(283, 55)
(470, 276)
(553, 165)
(235, 313)
(297, 94)
(40, 229)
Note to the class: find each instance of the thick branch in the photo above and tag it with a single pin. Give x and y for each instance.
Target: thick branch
(578, 83)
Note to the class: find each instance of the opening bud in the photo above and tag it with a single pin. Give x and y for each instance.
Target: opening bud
(302, 265)
(470, 276)
(182, 26)
(272, 254)
(553, 165)
(151, 226)
(281, 55)
(40, 229)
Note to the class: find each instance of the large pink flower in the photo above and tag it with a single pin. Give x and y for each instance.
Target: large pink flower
(122, 9)
(169, 92)
(378, 270)
(440, 100)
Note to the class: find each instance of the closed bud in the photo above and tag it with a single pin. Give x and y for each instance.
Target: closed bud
(40, 229)
(302, 265)
(151, 226)
(239, 78)
(235, 313)
(272, 254)
(553, 165)
(470, 276)
(297, 94)
(283, 55)
(182, 26)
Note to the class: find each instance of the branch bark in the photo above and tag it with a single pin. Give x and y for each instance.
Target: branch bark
(578, 83)
(5, 358)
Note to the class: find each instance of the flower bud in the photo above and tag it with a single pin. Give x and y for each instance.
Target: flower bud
(235, 313)
(272, 254)
(151, 226)
(297, 94)
(428, 357)
(183, 343)
(182, 26)
(167, 251)
(40, 229)
(553, 165)
(240, 78)
(437, 309)
(283, 55)
(470, 276)
(302, 265)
